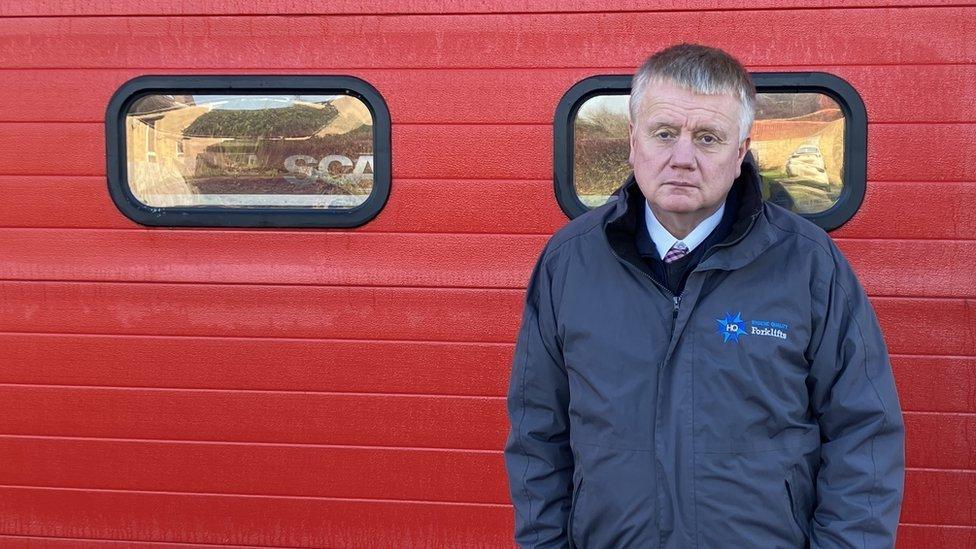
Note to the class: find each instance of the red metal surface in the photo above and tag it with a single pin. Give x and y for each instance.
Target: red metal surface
(760, 38)
(355, 7)
(311, 388)
(250, 520)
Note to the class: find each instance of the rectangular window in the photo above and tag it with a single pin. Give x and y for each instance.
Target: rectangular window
(801, 142)
(254, 156)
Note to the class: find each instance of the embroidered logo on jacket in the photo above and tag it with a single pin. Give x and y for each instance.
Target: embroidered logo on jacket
(732, 327)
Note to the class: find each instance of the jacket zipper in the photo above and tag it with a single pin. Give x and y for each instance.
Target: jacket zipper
(676, 299)
(710, 251)
(674, 314)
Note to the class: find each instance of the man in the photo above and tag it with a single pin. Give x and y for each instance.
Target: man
(695, 367)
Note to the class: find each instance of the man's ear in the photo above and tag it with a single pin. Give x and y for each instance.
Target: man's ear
(630, 132)
(743, 149)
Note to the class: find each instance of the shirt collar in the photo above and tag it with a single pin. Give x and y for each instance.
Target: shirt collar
(664, 240)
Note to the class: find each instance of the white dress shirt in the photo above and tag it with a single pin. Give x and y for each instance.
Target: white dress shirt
(664, 240)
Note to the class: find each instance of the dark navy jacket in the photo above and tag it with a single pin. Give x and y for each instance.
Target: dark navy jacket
(756, 409)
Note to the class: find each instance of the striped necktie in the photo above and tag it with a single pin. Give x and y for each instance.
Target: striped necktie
(676, 252)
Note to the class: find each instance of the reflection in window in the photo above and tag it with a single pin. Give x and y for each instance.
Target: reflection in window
(239, 151)
(601, 146)
(797, 140)
(798, 143)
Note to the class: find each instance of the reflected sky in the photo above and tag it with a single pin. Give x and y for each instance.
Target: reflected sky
(616, 104)
(255, 102)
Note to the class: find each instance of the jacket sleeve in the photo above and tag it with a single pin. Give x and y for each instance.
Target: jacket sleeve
(862, 465)
(537, 453)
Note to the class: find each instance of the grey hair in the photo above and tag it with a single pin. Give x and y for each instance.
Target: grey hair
(701, 69)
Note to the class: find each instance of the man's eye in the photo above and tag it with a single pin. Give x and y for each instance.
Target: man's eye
(708, 139)
(663, 134)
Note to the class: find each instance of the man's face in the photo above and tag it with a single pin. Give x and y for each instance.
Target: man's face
(685, 150)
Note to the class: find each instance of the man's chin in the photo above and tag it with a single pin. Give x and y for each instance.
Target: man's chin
(677, 205)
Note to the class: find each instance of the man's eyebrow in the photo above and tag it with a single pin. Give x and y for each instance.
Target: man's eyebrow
(654, 124)
(710, 129)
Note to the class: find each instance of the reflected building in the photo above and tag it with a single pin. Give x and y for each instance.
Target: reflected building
(249, 150)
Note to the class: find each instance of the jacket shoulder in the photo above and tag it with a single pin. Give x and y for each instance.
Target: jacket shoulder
(794, 225)
(828, 261)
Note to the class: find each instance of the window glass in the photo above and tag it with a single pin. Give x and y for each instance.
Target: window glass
(601, 146)
(797, 141)
(798, 144)
(249, 151)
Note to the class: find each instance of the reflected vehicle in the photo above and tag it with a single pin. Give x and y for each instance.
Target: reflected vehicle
(806, 165)
(807, 185)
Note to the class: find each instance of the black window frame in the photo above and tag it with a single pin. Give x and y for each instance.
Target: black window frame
(838, 89)
(219, 216)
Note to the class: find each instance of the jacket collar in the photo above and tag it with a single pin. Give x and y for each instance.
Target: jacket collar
(750, 234)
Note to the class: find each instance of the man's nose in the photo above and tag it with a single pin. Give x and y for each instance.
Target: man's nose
(683, 153)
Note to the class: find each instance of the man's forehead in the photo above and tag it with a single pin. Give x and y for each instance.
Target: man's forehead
(667, 100)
